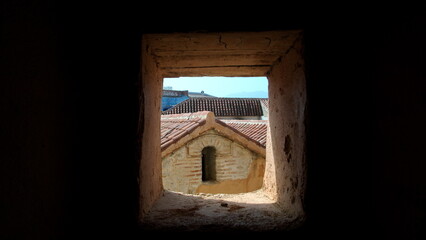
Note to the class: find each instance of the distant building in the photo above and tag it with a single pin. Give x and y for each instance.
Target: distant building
(201, 154)
(224, 108)
(172, 97)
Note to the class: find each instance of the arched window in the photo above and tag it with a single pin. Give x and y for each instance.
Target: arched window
(208, 164)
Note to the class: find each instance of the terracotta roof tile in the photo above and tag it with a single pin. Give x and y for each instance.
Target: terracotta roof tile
(254, 129)
(220, 106)
(176, 126)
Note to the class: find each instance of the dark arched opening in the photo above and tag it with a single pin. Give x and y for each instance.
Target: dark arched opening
(208, 163)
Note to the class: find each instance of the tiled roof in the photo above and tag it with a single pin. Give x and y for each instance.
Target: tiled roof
(176, 126)
(265, 102)
(220, 106)
(254, 129)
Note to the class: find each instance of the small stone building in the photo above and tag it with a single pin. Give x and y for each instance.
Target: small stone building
(201, 154)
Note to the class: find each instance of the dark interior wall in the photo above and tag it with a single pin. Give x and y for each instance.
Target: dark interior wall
(399, 187)
(32, 149)
(69, 113)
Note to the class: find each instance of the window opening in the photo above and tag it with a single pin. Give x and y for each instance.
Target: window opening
(226, 154)
(208, 164)
(278, 55)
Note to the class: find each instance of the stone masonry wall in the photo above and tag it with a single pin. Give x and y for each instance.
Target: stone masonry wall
(235, 165)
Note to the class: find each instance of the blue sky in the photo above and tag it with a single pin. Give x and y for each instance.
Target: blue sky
(221, 86)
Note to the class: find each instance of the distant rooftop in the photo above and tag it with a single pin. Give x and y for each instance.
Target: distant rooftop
(220, 106)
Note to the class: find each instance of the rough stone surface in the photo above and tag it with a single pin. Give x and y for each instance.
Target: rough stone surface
(219, 54)
(285, 148)
(150, 186)
(218, 212)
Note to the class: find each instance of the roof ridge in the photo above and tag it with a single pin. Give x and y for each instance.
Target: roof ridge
(252, 121)
(176, 126)
(187, 116)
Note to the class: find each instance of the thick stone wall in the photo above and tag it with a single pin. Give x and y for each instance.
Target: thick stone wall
(278, 55)
(150, 163)
(235, 164)
(285, 153)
